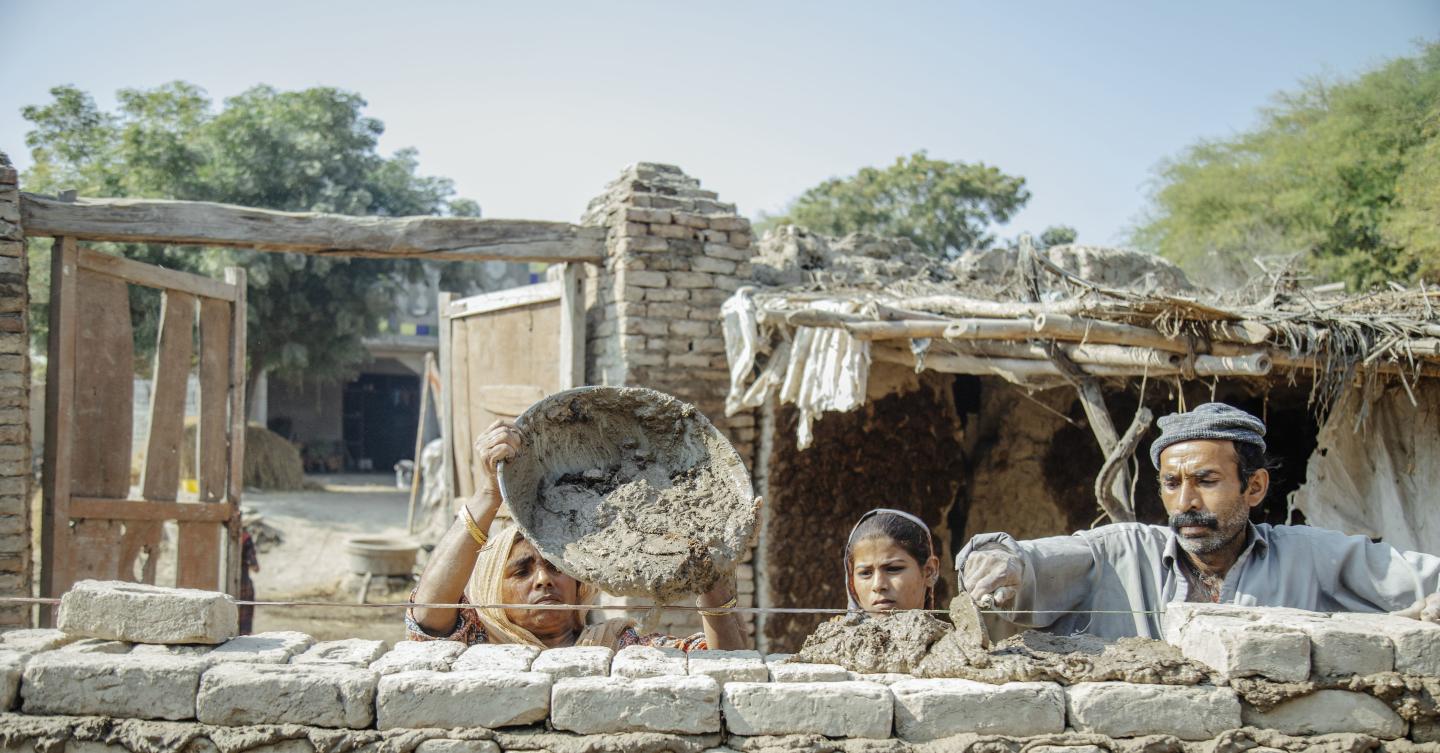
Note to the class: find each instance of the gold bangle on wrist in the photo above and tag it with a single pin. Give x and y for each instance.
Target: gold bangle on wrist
(473, 527)
(727, 605)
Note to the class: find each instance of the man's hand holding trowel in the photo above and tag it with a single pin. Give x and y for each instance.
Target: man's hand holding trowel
(992, 577)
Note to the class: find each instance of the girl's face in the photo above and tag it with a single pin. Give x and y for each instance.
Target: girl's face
(886, 577)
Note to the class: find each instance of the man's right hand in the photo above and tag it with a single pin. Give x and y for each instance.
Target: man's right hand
(995, 573)
(501, 442)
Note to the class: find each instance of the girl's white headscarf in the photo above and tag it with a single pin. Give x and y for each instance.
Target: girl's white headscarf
(853, 603)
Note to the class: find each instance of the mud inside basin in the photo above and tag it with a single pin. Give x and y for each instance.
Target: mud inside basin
(631, 490)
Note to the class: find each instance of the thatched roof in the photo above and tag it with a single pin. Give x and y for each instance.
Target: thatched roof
(1044, 318)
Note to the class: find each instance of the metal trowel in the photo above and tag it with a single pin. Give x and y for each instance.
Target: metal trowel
(969, 623)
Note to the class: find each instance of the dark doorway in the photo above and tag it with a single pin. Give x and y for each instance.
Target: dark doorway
(381, 413)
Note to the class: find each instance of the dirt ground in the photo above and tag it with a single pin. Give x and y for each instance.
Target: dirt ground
(311, 564)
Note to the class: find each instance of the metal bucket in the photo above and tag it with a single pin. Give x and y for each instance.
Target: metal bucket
(602, 469)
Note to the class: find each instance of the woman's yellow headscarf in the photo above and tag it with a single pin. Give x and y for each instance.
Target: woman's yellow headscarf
(485, 588)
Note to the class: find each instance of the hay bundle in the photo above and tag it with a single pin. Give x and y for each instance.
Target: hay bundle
(271, 461)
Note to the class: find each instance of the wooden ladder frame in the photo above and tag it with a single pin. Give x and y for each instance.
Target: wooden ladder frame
(221, 431)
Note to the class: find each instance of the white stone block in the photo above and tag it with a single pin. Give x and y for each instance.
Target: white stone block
(317, 695)
(412, 656)
(12, 664)
(599, 705)
(354, 652)
(262, 648)
(636, 662)
(1122, 709)
(141, 613)
(729, 666)
(1329, 711)
(1180, 613)
(1417, 644)
(445, 745)
(1341, 649)
(1237, 647)
(35, 640)
(832, 709)
(932, 709)
(461, 699)
(778, 658)
(496, 657)
(97, 646)
(134, 687)
(574, 661)
(802, 672)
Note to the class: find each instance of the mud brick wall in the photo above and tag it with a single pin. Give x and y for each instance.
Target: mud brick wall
(1278, 679)
(15, 458)
(674, 254)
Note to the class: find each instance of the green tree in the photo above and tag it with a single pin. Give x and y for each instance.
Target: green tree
(943, 207)
(1342, 173)
(310, 150)
(1057, 235)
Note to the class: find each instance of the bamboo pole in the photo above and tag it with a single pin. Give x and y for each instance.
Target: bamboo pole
(960, 306)
(1060, 327)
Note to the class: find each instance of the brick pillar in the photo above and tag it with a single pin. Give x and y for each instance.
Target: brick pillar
(14, 403)
(674, 253)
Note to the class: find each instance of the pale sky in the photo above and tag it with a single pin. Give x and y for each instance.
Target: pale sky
(532, 107)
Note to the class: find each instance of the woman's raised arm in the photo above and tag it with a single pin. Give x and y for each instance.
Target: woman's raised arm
(448, 570)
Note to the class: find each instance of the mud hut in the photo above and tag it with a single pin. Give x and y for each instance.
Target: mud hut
(1015, 390)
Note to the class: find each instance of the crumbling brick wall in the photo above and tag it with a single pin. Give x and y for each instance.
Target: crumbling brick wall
(15, 458)
(674, 254)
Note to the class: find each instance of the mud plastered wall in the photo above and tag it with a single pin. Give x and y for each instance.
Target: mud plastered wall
(1274, 679)
(901, 450)
(15, 456)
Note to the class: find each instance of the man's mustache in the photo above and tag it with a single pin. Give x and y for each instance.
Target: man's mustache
(1194, 518)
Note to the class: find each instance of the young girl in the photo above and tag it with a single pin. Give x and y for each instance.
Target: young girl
(890, 563)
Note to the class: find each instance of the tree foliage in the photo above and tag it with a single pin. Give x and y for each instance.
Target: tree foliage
(310, 150)
(943, 207)
(1344, 173)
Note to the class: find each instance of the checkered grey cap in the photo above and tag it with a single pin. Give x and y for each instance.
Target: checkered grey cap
(1208, 421)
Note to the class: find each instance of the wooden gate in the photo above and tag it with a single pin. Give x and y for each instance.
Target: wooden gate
(500, 352)
(94, 525)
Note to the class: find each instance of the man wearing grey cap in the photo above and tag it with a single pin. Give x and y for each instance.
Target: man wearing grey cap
(1113, 581)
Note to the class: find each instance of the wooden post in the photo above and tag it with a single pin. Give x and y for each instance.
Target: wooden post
(572, 328)
(59, 422)
(447, 436)
(419, 439)
(238, 414)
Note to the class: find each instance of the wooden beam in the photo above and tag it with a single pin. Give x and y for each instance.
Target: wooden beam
(509, 298)
(139, 509)
(155, 277)
(204, 223)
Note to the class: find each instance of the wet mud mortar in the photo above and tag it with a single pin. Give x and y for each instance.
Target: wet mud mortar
(631, 490)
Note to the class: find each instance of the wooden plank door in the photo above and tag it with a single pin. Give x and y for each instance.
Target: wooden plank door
(499, 353)
(93, 526)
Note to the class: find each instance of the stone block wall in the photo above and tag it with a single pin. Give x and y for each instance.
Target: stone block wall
(674, 254)
(447, 698)
(15, 457)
